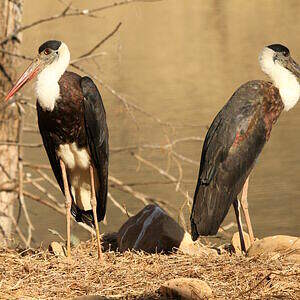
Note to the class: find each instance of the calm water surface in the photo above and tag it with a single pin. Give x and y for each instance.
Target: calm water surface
(181, 61)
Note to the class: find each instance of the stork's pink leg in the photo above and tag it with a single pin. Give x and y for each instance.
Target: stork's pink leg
(244, 203)
(94, 208)
(68, 206)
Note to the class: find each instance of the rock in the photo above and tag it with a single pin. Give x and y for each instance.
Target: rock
(75, 241)
(91, 297)
(57, 249)
(224, 248)
(188, 246)
(151, 230)
(185, 288)
(109, 242)
(236, 242)
(276, 246)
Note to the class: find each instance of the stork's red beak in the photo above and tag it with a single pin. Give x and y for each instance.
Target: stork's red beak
(29, 74)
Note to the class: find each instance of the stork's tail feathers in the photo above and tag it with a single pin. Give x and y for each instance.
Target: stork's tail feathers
(204, 225)
(84, 216)
(195, 233)
(209, 210)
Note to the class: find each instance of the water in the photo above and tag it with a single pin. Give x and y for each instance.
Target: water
(180, 61)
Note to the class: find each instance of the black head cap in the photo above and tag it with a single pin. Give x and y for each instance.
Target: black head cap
(280, 48)
(54, 45)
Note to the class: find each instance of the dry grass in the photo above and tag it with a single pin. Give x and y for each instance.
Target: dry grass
(136, 275)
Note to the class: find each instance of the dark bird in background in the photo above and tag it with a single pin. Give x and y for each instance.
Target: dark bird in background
(72, 123)
(236, 138)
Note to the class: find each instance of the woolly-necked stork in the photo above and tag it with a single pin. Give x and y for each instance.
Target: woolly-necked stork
(236, 138)
(72, 123)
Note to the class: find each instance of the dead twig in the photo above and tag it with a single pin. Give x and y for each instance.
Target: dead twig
(20, 177)
(267, 277)
(26, 145)
(55, 208)
(117, 204)
(16, 55)
(160, 171)
(48, 179)
(36, 166)
(65, 14)
(17, 228)
(88, 53)
(138, 195)
(94, 55)
(155, 146)
(47, 194)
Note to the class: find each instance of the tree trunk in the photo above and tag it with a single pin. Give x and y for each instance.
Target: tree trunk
(10, 21)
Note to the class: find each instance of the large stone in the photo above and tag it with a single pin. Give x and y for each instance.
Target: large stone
(277, 246)
(91, 297)
(188, 246)
(236, 242)
(109, 242)
(151, 230)
(58, 249)
(185, 289)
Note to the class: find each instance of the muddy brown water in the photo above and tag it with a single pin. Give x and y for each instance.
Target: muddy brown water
(181, 61)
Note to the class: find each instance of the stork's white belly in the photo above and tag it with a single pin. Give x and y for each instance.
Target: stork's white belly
(77, 163)
(74, 157)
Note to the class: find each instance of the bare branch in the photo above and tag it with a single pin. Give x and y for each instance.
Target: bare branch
(185, 159)
(64, 14)
(37, 166)
(16, 55)
(55, 208)
(101, 42)
(48, 179)
(94, 55)
(47, 194)
(20, 177)
(17, 228)
(154, 182)
(27, 145)
(162, 172)
(119, 4)
(129, 190)
(116, 203)
(138, 195)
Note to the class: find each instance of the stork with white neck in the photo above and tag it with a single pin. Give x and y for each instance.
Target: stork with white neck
(72, 123)
(236, 138)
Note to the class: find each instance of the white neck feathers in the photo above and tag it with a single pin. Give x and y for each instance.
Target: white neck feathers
(47, 88)
(282, 78)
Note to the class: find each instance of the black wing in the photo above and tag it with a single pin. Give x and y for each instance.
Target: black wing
(97, 136)
(50, 148)
(233, 142)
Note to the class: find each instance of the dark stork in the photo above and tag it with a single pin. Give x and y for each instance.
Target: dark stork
(236, 138)
(72, 123)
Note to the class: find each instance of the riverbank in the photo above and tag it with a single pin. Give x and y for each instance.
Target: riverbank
(136, 275)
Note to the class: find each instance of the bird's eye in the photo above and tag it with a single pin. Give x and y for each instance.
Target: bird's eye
(47, 51)
(285, 53)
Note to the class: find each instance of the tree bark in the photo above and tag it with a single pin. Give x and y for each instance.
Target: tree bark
(10, 20)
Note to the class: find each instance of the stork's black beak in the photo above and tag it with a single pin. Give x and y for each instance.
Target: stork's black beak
(29, 74)
(293, 67)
